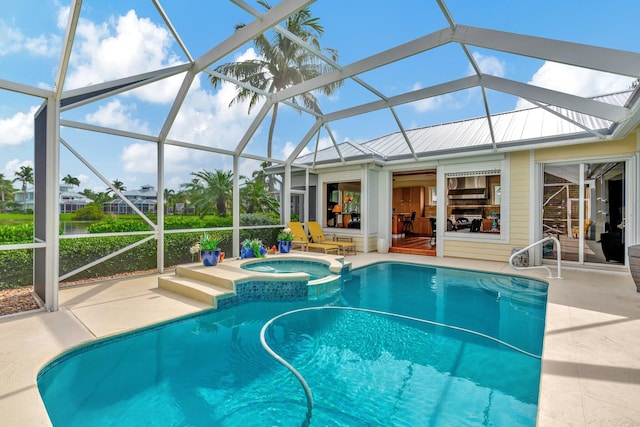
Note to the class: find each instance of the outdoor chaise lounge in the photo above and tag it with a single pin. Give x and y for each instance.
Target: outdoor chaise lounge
(318, 237)
(301, 239)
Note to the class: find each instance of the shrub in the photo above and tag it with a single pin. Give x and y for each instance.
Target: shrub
(88, 213)
(118, 225)
(12, 234)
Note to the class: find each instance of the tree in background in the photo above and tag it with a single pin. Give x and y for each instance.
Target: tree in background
(26, 176)
(118, 185)
(210, 192)
(282, 63)
(71, 180)
(254, 198)
(6, 191)
(98, 198)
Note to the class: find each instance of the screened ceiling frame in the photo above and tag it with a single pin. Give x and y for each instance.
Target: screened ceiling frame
(623, 119)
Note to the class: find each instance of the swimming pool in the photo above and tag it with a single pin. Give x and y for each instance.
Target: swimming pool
(400, 345)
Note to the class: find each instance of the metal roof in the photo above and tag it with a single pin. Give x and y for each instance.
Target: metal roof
(520, 127)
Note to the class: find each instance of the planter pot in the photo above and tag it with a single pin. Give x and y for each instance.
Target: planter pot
(284, 247)
(246, 253)
(634, 264)
(210, 258)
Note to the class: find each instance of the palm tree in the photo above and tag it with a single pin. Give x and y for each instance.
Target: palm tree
(170, 199)
(6, 191)
(71, 180)
(210, 190)
(118, 185)
(282, 63)
(255, 198)
(98, 198)
(24, 175)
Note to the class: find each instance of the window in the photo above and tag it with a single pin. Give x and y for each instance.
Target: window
(474, 202)
(343, 204)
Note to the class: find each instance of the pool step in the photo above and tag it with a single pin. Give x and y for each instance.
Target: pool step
(190, 287)
(210, 275)
(202, 283)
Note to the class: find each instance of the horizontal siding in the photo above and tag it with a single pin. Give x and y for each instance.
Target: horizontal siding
(478, 250)
(596, 149)
(373, 243)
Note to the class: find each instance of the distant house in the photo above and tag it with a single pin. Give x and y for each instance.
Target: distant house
(24, 201)
(68, 200)
(71, 201)
(145, 199)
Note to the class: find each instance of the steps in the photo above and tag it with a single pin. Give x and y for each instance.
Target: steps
(200, 283)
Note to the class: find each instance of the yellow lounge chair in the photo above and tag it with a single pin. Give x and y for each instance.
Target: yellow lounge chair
(301, 239)
(318, 237)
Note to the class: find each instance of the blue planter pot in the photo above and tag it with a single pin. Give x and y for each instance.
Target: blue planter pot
(210, 258)
(284, 247)
(246, 253)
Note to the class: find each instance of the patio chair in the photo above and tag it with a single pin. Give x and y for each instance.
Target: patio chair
(318, 237)
(301, 239)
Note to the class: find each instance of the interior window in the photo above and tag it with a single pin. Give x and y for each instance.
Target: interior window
(343, 208)
(473, 202)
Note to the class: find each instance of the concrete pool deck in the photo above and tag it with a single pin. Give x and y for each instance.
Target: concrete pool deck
(590, 363)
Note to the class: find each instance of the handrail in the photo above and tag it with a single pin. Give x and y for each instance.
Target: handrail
(558, 251)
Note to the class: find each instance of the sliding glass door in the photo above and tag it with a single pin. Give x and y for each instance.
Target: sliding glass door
(584, 207)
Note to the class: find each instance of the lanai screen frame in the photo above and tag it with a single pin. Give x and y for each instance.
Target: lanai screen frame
(48, 121)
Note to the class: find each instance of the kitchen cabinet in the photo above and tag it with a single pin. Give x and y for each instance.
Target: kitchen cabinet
(408, 199)
(422, 226)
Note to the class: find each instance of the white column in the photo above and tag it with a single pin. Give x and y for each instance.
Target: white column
(52, 252)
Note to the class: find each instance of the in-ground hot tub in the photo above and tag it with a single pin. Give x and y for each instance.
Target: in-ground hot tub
(315, 269)
(325, 277)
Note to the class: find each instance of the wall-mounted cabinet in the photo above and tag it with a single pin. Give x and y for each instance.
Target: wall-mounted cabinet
(408, 199)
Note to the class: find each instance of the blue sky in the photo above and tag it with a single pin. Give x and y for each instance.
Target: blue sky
(119, 38)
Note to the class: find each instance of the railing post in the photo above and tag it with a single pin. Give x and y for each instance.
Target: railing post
(559, 256)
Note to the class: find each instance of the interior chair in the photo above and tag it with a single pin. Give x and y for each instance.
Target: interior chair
(462, 223)
(300, 239)
(407, 224)
(318, 237)
(432, 241)
(576, 230)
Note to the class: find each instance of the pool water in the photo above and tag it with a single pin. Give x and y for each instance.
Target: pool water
(315, 270)
(401, 345)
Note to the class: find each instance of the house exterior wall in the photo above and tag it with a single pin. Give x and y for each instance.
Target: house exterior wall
(519, 199)
(521, 211)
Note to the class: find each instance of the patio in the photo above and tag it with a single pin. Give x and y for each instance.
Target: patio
(590, 369)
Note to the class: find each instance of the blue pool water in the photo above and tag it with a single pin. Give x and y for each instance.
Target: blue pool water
(401, 345)
(315, 270)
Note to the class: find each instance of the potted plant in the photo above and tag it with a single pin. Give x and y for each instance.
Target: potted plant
(285, 237)
(208, 248)
(252, 248)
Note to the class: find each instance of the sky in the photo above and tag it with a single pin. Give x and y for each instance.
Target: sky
(119, 38)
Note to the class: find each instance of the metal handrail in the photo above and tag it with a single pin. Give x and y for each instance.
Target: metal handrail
(558, 251)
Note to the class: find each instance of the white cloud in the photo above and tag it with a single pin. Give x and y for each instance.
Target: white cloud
(446, 101)
(576, 81)
(138, 44)
(488, 65)
(12, 40)
(117, 115)
(206, 118)
(13, 166)
(17, 129)
(140, 158)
